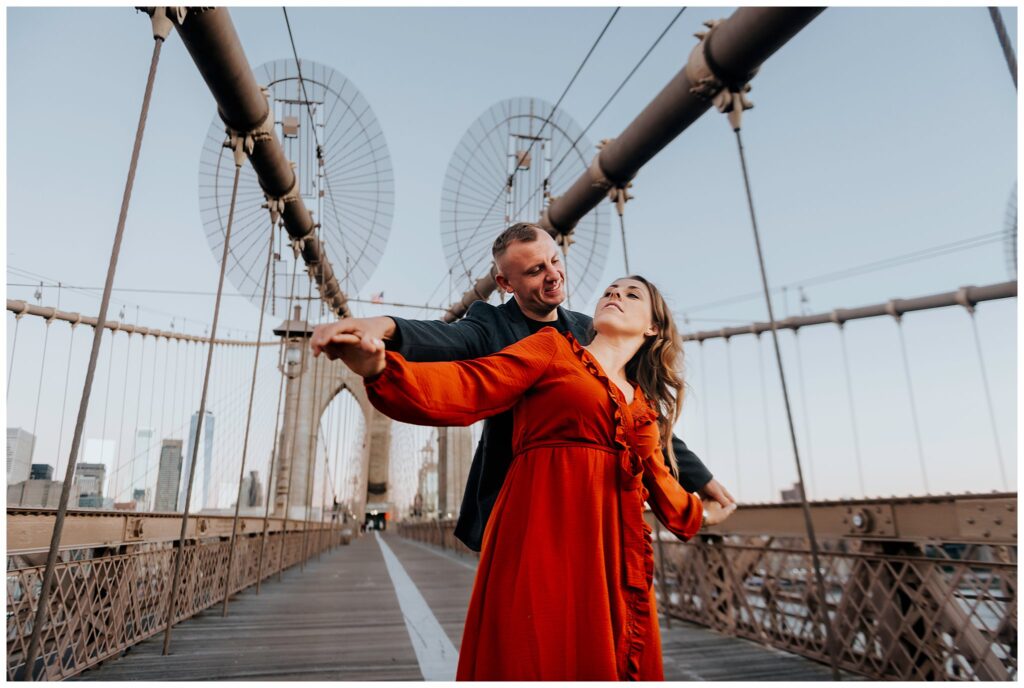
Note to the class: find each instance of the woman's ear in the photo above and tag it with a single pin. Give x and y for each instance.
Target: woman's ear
(651, 331)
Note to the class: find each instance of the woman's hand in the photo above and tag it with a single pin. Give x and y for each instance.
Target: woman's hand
(363, 355)
(716, 513)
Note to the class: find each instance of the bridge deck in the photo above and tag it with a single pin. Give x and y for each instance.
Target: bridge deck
(341, 620)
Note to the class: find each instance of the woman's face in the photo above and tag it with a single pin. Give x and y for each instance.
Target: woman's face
(625, 309)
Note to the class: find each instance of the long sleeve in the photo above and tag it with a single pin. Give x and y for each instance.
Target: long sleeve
(456, 393)
(693, 474)
(680, 511)
(434, 340)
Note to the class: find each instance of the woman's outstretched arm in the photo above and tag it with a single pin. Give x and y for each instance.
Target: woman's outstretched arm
(460, 392)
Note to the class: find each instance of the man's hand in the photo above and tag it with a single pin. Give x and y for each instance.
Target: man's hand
(333, 339)
(714, 491)
(716, 513)
(363, 355)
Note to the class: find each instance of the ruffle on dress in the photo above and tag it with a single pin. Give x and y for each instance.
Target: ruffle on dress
(632, 435)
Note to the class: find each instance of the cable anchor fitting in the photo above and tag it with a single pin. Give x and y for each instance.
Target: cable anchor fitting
(710, 82)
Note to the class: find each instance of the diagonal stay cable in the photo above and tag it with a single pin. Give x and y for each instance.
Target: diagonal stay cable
(161, 28)
(600, 112)
(813, 541)
(1004, 43)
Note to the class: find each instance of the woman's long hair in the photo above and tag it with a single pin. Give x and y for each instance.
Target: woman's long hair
(658, 368)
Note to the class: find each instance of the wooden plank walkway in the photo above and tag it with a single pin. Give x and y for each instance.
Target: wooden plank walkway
(340, 621)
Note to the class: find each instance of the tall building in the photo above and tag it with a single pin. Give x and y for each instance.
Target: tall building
(201, 496)
(141, 464)
(41, 471)
(90, 478)
(168, 477)
(20, 445)
(143, 497)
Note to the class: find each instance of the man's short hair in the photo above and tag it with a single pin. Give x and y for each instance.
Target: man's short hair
(520, 231)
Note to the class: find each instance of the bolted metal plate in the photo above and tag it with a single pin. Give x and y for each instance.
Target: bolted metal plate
(873, 520)
(988, 520)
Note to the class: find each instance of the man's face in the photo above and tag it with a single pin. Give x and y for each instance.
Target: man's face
(534, 273)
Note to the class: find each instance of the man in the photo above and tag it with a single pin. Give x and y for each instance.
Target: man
(529, 266)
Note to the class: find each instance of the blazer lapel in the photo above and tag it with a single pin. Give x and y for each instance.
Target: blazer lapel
(516, 319)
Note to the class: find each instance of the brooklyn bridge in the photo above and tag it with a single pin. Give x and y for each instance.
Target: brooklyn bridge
(192, 495)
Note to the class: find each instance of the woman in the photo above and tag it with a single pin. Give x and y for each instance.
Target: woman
(564, 588)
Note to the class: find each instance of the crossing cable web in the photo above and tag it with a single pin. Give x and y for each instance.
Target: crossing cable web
(507, 181)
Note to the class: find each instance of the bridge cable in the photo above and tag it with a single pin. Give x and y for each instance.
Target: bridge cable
(14, 346)
(135, 432)
(803, 405)
(547, 120)
(853, 415)
(735, 104)
(732, 413)
(64, 403)
(988, 397)
(608, 102)
(278, 426)
(124, 401)
(767, 422)
(310, 458)
(294, 432)
(178, 560)
(161, 28)
(42, 367)
(248, 421)
(106, 397)
(913, 403)
(1004, 42)
(704, 405)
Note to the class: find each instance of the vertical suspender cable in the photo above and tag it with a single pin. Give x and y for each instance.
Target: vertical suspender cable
(14, 346)
(64, 404)
(822, 598)
(913, 404)
(278, 430)
(42, 367)
(120, 435)
(314, 423)
(988, 399)
(135, 432)
(767, 422)
(161, 27)
(1004, 42)
(853, 415)
(704, 406)
(106, 395)
(248, 422)
(295, 430)
(807, 417)
(278, 423)
(732, 413)
(173, 598)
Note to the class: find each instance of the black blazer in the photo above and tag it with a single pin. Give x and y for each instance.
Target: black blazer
(485, 330)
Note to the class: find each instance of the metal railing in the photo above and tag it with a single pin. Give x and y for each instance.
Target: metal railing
(919, 588)
(111, 595)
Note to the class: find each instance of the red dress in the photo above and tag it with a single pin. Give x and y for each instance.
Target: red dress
(563, 589)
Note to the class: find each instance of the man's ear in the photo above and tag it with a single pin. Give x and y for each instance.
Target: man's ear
(503, 283)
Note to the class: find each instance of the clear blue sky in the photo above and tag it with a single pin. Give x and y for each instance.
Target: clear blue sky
(875, 132)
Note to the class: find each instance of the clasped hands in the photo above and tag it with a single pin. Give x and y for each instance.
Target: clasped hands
(358, 342)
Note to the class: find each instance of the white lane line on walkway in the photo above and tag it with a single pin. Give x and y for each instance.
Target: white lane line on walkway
(435, 653)
(454, 558)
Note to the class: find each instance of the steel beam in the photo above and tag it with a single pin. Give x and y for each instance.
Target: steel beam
(967, 297)
(210, 38)
(29, 529)
(730, 55)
